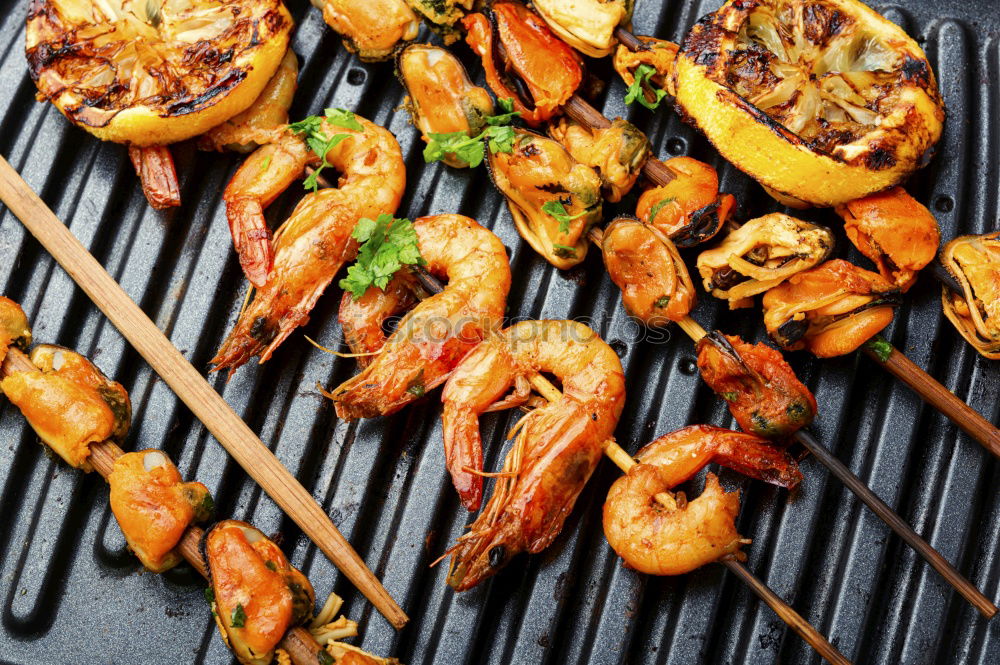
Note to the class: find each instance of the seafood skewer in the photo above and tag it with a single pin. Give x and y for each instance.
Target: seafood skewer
(192, 389)
(103, 455)
(793, 619)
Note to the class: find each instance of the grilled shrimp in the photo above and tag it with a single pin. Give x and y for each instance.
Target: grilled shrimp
(660, 540)
(315, 241)
(557, 447)
(155, 167)
(362, 319)
(262, 123)
(434, 337)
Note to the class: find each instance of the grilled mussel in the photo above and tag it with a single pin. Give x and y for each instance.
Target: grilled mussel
(256, 594)
(154, 506)
(586, 25)
(14, 328)
(760, 387)
(69, 403)
(974, 263)
(829, 310)
(441, 98)
(761, 254)
(657, 62)
(688, 209)
(523, 60)
(644, 263)
(553, 198)
(372, 28)
(895, 231)
(617, 152)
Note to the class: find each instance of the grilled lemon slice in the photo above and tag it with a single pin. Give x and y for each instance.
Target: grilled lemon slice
(821, 101)
(152, 72)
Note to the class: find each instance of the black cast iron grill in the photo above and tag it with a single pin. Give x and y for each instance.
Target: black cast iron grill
(73, 594)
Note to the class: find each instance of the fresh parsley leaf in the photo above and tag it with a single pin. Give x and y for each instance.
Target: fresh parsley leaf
(470, 149)
(730, 396)
(266, 164)
(343, 118)
(662, 301)
(658, 206)
(880, 347)
(558, 210)
(209, 595)
(507, 104)
(643, 74)
(387, 245)
(239, 617)
(416, 386)
(564, 251)
(311, 129)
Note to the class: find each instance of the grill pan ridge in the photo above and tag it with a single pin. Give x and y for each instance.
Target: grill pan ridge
(72, 593)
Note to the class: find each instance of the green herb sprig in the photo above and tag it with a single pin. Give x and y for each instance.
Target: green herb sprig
(498, 134)
(557, 210)
(387, 244)
(881, 347)
(636, 92)
(658, 206)
(239, 617)
(311, 129)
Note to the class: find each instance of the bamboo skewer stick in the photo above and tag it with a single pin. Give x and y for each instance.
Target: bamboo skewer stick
(298, 642)
(189, 385)
(624, 461)
(927, 387)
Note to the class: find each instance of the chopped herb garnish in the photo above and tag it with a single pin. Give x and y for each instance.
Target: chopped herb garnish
(209, 595)
(498, 134)
(563, 251)
(662, 301)
(387, 244)
(658, 206)
(416, 386)
(880, 347)
(312, 129)
(272, 566)
(239, 617)
(643, 74)
(558, 210)
(507, 104)
(730, 397)
(266, 164)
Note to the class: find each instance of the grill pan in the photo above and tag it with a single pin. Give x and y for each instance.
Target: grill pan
(72, 593)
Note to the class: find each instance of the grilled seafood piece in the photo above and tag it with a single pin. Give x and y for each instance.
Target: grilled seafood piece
(14, 328)
(553, 199)
(974, 262)
(155, 167)
(441, 98)
(69, 403)
(895, 231)
(658, 57)
(433, 337)
(371, 28)
(689, 209)
(256, 594)
(586, 25)
(363, 319)
(761, 254)
(829, 310)
(523, 60)
(760, 388)
(558, 445)
(443, 15)
(645, 265)
(315, 240)
(821, 101)
(265, 120)
(616, 153)
(154, 506)
(659, 540)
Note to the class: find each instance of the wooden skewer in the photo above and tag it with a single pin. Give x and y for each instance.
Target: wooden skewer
(298, 642)
(189, 385)
(624, 461)
(926, 386)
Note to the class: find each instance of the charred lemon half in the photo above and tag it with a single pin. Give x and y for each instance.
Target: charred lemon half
(152, 72)
(821, 101)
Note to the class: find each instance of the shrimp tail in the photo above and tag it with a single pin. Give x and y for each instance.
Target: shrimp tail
(464, 454)
(761, 461)
(251, 239)
(155, 166)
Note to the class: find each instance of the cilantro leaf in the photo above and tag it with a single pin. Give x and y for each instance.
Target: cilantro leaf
(880, 347)
(558, 210)
(209, 595)
(239, 617)
(636, 92)
(658, 206)
(387, 245)
(662, 301)
(311, 129)
(498, 134)
(564, 251)
(416, 386)
(343, 118)
(507, 104)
